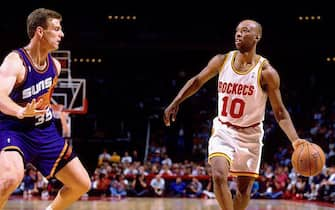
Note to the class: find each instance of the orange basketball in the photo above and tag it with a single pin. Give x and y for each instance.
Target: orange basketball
(308, 159)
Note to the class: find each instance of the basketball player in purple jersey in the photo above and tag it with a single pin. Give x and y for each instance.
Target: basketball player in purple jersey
(27, 129)
(245, 81)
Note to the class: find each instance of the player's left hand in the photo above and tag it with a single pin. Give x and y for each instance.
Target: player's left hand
(31, 109)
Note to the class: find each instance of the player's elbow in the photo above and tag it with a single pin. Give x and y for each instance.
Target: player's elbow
(196, 83)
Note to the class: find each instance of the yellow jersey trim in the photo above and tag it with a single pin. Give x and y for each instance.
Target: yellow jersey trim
(13, 148)
(57, 161)
(241, 173)
(260, 73)
(224, 62)
(244, 72)
(219, 154)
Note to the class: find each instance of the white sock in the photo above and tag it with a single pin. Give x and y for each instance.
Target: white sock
(48, 208)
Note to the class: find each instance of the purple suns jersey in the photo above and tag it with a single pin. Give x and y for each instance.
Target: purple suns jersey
(36, 138)
(37, 84)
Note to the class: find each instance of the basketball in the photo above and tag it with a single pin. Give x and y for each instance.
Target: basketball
(308, 159)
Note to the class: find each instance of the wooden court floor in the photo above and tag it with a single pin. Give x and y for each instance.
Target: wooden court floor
(165, 204)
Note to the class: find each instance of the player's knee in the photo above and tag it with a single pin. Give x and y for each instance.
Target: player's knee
(220, 176)
(87, 186)
(9, 183)
(84, 186)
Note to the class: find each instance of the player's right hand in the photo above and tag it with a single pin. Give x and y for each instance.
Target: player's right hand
(31, 109)
(170, 113)
(298, 142)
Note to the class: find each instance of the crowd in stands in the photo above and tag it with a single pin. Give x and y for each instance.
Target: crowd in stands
(119, 176)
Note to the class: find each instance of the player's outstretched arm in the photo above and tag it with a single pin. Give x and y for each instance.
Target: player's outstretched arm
(192, 86)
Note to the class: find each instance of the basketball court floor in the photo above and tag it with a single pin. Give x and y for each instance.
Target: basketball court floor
(165, 204)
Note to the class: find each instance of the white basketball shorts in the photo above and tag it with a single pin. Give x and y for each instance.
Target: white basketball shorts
(242, 147)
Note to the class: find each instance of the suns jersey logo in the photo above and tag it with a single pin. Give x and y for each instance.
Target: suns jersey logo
(37, 88)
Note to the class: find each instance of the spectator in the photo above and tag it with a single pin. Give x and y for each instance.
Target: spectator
(165, 170)
(166, 160)
(139, 186)
(280, 179)
(129, 169)
(271, 192)
(299, 188)
(156, 157)
(194, 188)
(327, 186)
(118, 187)
(42, 185)
(198, 171)
(142, 170)
(135, 156)
(178, 188)
(29, 181)
(157, 185)
(103, 184)
(209, 190)
(104, 157)
(255, 189)
(315, 182)
(115, 158)
(126, 158)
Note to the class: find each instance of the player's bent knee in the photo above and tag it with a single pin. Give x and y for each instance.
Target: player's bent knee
(87, 186)
(9, 183)
(220, 177)
(84, 186)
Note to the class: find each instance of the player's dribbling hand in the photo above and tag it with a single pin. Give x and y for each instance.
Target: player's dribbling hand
(31, 109)
(298, 142)
(170, 113)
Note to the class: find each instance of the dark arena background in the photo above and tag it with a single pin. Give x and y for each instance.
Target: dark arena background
(135, 57)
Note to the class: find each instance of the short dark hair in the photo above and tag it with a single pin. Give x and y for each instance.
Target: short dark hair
(39, 17)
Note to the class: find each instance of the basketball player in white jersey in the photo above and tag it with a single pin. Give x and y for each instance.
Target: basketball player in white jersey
(245, 81)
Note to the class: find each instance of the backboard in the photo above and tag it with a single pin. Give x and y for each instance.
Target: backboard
(70, 92)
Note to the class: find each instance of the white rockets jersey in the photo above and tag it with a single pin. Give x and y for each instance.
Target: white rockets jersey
(241, 100)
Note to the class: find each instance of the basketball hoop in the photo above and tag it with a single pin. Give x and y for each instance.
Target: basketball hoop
(69, 93)
(79, 110)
